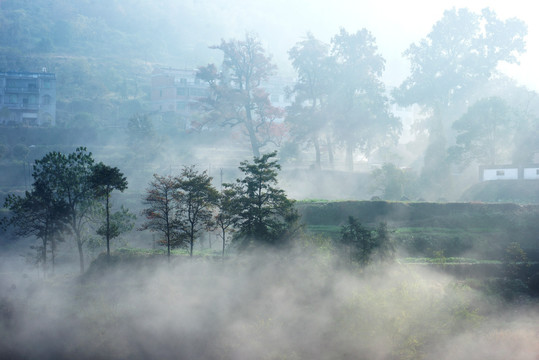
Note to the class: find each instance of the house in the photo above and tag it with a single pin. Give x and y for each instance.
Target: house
(28, 98)
(177, 91)
(509, 172)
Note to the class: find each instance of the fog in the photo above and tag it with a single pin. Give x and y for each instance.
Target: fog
(395, 25)
(414, 165)
(259, 306)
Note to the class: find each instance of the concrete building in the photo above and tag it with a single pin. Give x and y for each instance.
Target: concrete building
(509, 172)
(177, 91)
(28, 98)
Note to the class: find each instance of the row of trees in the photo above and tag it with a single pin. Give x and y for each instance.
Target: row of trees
(67, 193)
(339, 94)
(72, 194)
(339, 100)
(181, 207)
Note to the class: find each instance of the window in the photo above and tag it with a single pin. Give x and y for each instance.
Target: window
(182, 91)
(46, 100)
(500, 173)
(12, 83)
(11, 99)
(198, 92)
(536, 171)
(47, 84)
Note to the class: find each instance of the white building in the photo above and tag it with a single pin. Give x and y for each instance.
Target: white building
(509, 172)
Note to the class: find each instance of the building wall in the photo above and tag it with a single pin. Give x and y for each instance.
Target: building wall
(508, 172)
(531, 173)
(27, 98)
(176, 91)
(500, 174)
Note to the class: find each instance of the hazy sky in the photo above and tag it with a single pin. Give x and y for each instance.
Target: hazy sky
(395, 24)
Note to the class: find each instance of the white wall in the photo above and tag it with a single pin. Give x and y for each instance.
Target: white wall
(500, 174)
(531, 173)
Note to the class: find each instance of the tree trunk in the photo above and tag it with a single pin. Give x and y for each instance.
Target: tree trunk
(330, 151)
(53, 249)
(108, 226)
(349, 159)
(317, 152)
(168, 246)
(255, 146)
(44, 257)
(191, 240)
(224, 242)
(81, 255)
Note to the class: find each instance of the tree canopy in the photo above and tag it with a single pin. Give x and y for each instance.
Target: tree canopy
(195, 197)
(458, 57)
(340, 91)
(104, 180)
(68, 177)
(264, 213)
(237, 94)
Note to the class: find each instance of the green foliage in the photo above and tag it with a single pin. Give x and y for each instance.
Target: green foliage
(264, 214)
(104, 180)
(226, 217)
(160, 212)
(195, 198)
(457, 57)
(121, 221)
(68, 177)
(515, 262)
(358, 102)
(308, 114)
(39, 213)
(364, 246)
(393, 183)
(485, 132)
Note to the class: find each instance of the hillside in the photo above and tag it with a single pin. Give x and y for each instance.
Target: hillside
(421, 228)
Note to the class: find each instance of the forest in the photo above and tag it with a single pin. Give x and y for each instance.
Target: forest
(308, 205)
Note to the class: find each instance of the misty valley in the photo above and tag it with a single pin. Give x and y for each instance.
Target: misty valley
(246, 180)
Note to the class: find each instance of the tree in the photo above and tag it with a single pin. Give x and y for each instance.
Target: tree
(120, 222)
(363, 245)
(225, 217)
(160, 211)
(105, 179)
(361, 110)
(237, 98)
(459, 55)
(357, 241)
(68, 179)
(392, 182)
(307, 116)
(515, 261)
(195, 197)
(263, 212)
(39, 213)
(485, 132)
